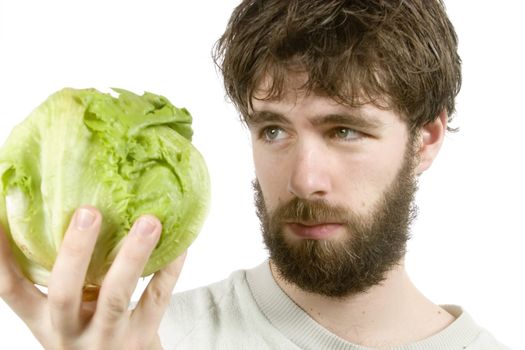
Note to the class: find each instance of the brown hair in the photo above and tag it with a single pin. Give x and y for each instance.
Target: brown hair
(399, 52)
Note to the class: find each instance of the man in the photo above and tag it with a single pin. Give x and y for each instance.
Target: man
(347, 103)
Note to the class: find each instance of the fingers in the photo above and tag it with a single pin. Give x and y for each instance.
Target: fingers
(122, 277)
(69, 270)
(59, 317)
(156, 297)
(15, 289)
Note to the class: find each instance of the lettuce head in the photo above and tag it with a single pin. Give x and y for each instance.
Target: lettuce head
(127, 155)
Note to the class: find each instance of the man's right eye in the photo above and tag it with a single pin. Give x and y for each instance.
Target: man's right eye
(272, 134)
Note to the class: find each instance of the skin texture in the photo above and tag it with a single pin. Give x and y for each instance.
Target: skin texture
(299, 153)
(62, 320)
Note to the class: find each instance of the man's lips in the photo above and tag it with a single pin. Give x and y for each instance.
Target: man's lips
(315, 230)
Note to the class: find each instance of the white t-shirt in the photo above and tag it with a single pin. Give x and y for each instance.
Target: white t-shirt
(249, 311)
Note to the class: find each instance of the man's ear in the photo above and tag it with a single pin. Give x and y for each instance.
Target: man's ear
(430, 139)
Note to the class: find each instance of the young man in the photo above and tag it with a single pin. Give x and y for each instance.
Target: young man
(347, 103)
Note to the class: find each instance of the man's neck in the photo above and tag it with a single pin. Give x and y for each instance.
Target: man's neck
(392, 313)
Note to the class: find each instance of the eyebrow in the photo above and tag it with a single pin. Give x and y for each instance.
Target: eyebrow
(260, 117)
(358, 120)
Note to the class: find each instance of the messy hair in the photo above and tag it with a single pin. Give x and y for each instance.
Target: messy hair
(397, 54)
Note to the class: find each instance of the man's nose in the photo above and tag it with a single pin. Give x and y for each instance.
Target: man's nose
(310, 173)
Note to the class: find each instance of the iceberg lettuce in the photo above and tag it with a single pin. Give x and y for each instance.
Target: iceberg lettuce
(127, 155)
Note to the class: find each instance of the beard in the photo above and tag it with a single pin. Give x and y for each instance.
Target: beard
(373, 244)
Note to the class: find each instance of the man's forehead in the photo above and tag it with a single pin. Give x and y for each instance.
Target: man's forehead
(294, 83)
(295, 86)
(266, 99)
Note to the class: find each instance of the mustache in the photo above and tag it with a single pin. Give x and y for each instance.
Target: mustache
(311, 211)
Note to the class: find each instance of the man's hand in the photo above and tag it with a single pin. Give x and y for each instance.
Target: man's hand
(62, 320)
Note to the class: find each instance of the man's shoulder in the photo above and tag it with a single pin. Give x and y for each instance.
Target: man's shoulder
(212, 296)
(486, 340)
(467, 331)
(221, 315)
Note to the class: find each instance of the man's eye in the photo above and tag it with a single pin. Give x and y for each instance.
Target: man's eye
(272, 133)
(346, 134)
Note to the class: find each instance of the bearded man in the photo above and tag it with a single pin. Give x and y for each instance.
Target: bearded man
(347, 103)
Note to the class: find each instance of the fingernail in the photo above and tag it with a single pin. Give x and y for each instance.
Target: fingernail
(84, 218)
(145, 227)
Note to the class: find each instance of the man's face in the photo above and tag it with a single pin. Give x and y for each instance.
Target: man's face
(334, 190)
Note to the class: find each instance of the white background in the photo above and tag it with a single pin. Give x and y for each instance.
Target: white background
(467, 246)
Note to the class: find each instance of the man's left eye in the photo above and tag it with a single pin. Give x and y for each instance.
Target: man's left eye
(346, 134)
